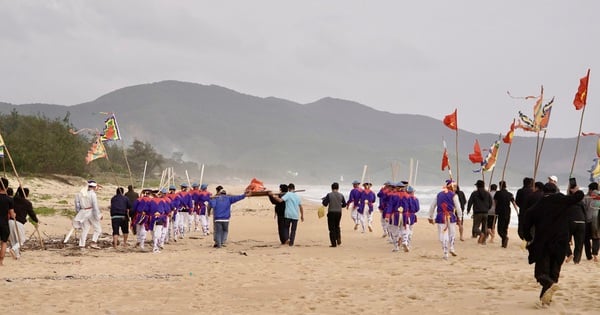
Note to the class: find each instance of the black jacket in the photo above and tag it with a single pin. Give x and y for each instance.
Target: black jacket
(550, 219)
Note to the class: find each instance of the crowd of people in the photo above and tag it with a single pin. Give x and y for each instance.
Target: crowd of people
(555, 227)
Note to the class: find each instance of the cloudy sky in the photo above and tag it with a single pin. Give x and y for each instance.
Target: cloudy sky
(421, 57)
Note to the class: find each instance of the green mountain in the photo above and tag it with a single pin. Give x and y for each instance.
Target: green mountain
(280, 140)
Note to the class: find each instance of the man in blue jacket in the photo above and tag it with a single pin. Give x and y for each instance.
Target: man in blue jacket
(221, 208)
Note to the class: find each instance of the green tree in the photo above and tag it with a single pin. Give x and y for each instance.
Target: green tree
(141, 152)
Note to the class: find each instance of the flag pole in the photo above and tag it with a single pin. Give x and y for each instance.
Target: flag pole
(506, 160)
(144, 175)
(577, 144)
(580, 124)
(539, 155)
(508, 151)
(457, 172)
(127, 163)
(416, 172)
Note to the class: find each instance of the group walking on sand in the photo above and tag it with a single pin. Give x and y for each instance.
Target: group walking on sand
(556, 228)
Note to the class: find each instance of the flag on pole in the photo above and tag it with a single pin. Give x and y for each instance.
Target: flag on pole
(476, 156)
(490, 160)
(97, 151)
(581, 95)
(1, 141)
(451, 120)
(445, 161)
(111, 129)
(510, 134)
(546, 110)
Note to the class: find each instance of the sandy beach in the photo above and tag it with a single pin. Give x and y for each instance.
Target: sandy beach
(253, 274)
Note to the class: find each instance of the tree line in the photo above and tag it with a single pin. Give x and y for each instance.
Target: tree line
(40, 145)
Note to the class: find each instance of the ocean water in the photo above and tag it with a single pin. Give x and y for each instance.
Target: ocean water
(425, 194)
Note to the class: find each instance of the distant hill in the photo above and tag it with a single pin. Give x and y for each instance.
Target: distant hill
(275, 139)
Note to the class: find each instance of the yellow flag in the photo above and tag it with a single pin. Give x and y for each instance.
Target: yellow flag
(1, 140)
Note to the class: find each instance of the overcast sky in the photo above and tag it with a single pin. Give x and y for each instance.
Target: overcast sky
(420, 57)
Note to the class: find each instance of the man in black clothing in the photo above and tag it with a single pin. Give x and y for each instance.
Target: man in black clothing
(280, 213)
(6, 211)
(547, 248)
(335, 202)
(521, 197)
(462, 199)
(23, 208)
(503, 199)
(481, 202)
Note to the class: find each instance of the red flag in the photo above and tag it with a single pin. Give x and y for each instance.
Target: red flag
(509, 135)
(476, 156)
(450, 121)
(445, 161)
(581, 95)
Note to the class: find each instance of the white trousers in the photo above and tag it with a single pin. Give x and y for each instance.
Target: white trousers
(204, 223)
(158, 237)
(141, 234)
(384, 225)
(86, 220)
(354, 213)
(446, 236)
(406, 234)
(16, 242)
(180, 223)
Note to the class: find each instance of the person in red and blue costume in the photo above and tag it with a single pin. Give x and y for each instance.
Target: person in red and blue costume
(353, 203)
(383, 195)
(174, 205)
(141, 218)
(397, 202)
(409, 218)
(367, 198)
(445, 211)
(158, 208)
(202, 198)
(185, 204)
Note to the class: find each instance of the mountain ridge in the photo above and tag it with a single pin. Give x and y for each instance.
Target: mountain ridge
(321, 140)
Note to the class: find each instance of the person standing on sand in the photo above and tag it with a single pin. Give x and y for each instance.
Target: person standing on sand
(462, 200)
(397, 204)
(367, 198)
(547, 247)
(293, 212)
(491, 217)
(521, 197)
(132, 196)
(221, 206)
(335, 202)
(23, 208)
(88, 214)
(280, 212)
(409, 218)
(120, 206)
(481, 202)
(6, 211)
(592, 222)
(503, 199)
(447, 215)
(383, 196)
(353, 203)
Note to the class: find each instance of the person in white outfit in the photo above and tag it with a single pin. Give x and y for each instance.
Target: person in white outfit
(88, 214)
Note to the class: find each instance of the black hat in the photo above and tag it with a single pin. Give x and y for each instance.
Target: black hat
(480, 184)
